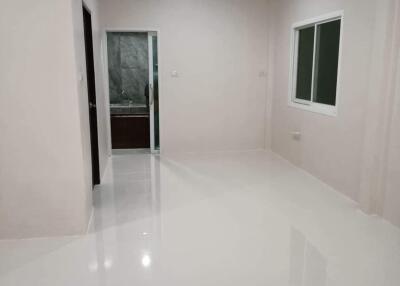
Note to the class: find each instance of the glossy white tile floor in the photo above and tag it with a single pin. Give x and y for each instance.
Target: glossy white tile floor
(232, 219)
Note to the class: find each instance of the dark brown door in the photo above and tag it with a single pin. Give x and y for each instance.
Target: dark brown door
(87, 23)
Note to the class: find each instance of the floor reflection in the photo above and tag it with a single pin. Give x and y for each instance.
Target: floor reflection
(308, 267)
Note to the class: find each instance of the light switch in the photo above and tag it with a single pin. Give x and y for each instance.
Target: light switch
(174, 74)
(262, 74)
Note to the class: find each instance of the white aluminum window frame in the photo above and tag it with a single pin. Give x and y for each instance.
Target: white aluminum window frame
(310, 105)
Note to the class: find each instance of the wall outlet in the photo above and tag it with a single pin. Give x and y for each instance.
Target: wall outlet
(296, 135)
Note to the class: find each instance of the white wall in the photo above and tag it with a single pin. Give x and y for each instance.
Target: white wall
(391, 197)
(346, 151)
(331, 147)
(218, 49)
(391, 209)
(42, 187)
(45, 163)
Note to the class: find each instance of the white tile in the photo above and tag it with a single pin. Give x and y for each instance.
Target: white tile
(246, 218)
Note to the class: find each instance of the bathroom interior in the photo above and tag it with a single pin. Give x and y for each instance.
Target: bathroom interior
(133, 90)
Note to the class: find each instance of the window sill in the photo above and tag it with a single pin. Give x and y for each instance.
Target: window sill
(319, 108)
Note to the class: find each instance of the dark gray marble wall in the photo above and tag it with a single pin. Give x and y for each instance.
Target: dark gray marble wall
(127, 67)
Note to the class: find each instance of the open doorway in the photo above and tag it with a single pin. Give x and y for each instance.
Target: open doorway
(133, 89)
(91, 87)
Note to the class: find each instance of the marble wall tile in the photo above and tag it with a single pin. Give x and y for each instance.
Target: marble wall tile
(134, 50)
(113, 49)
(114, 63)
(134, 82)
(115, 84)
(128, 67)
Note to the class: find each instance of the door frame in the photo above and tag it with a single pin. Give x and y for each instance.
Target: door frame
(107, 78)
(150, 36)
(91, 94)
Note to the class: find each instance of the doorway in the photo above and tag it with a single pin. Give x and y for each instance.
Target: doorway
(91, 87)
(133, 89)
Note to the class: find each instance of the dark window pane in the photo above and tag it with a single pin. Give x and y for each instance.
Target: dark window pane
(305, 63)
(326, 62)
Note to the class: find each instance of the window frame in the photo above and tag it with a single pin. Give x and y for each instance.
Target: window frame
(312, 106)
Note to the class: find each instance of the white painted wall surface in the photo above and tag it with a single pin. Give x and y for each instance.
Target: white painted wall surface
(43, 191)
(391, 208)
(331, 147)
(391, 199)
(346, 151)
(218, 49)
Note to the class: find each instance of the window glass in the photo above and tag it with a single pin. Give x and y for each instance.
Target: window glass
(326, 62)
(305, 63)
